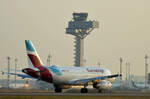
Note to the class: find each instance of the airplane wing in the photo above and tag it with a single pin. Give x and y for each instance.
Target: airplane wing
(17, 74)
(79, 81)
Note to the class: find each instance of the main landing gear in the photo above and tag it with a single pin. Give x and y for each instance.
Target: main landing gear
(58, 90)
(84, 90)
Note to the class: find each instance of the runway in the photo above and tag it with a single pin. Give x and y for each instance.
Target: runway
(73, 94)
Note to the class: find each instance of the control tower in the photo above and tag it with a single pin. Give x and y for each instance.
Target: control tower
(80, 27)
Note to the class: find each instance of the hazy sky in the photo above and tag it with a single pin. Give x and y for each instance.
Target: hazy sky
(124, 31)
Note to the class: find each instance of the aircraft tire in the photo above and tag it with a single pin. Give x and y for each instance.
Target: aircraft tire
(100, 91)
(58, 90)
(84, 90)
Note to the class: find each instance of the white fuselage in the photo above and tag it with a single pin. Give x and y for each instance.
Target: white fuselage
(63, 74)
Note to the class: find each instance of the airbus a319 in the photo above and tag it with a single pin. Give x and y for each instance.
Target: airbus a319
(64, 77)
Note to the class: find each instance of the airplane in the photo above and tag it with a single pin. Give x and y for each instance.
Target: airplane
(63, 77)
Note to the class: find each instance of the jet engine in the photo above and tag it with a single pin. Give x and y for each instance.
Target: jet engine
(103, 85)
(63, 86)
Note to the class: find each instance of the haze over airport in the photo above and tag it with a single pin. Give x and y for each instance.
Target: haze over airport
(124, 32)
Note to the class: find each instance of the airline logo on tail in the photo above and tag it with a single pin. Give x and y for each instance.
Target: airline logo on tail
(33, 57)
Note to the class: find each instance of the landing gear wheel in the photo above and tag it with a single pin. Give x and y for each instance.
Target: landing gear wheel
(100, 91)
(84, 90)
(58, 90)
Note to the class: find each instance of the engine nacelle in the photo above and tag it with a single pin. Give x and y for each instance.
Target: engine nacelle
(103, 85)
(63, 86)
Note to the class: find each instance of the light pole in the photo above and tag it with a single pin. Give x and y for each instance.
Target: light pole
(146, 70)
(129, 75)
(49, 59)
(126, 74)
(129, 72)
(85, 61)
(16, 60)
(121, 60)
(8, 58)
